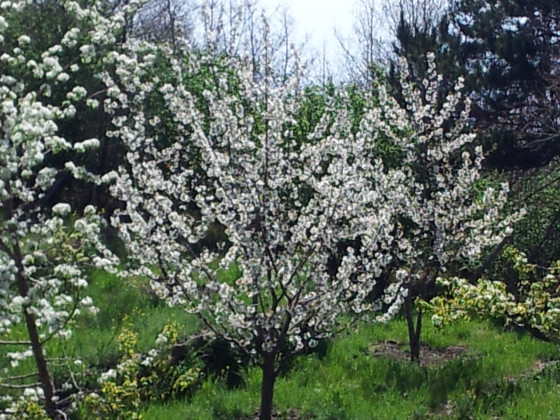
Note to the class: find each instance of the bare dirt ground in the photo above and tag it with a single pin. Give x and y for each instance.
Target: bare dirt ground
(428, 356)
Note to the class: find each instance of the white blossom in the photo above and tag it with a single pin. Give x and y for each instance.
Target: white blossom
(61, 209)
(86, 145)
(23, 40)
(108, 375)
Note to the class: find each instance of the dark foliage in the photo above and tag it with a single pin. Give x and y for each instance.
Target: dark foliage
(509, 53)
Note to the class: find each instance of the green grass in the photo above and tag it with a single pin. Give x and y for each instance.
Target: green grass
(496, 376)
(121, 302)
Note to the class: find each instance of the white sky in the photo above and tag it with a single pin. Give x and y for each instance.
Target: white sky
(318, 18)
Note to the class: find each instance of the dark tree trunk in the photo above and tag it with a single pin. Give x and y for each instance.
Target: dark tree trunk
(414, 328)
(41, 363)
(267, 386)
(36, 345)
(43, 373)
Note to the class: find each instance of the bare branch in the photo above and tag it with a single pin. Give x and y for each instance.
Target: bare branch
(14, 343)
(21, 386)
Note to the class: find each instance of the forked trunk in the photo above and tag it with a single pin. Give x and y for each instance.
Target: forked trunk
(267, 386)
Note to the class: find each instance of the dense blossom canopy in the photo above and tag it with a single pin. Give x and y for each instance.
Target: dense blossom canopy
(285, 206)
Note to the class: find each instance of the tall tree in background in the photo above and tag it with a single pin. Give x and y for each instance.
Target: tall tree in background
(363, 49)
(169, 21)
(377, 24)
(509, 54)
(231, 27)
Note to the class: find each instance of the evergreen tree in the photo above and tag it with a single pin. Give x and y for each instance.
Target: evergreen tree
(509, 53)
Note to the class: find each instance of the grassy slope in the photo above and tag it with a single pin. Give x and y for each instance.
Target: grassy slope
(494, 378)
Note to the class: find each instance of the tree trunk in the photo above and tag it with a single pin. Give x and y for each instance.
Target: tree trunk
(36, 345)
(267, 386)
(414, 330)
(41, 363)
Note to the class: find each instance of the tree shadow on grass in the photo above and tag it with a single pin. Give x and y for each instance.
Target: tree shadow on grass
(458, 384)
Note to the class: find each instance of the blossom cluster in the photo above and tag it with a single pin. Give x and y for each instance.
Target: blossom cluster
(452, 213)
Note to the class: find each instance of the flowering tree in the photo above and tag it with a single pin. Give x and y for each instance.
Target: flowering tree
(450, 215)
(285, 205)
(44, 250)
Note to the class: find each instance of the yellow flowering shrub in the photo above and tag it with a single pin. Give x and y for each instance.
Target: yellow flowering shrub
(536, 303)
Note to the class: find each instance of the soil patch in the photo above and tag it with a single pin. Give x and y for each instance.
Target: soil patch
(428, 356)
(291, 415)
